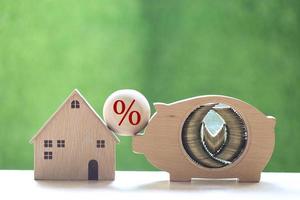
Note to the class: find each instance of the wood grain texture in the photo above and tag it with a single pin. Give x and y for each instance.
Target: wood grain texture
(80, 128)
(162, 143)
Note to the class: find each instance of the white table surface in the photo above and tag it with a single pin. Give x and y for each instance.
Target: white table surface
(16, 184)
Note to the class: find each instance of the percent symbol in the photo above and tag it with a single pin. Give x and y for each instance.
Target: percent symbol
(123, 109)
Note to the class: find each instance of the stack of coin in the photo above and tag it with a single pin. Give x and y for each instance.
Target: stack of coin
(213, 142)
(218, 150)
(236, 132)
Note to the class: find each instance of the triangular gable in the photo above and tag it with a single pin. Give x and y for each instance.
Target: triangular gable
(76, 92)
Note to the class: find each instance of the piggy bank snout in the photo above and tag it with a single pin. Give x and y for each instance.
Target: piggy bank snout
(138, 144)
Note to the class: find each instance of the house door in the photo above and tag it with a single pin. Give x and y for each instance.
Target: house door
(93, 170)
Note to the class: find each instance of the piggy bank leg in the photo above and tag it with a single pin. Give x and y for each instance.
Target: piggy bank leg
(174, 177)
(250, 177)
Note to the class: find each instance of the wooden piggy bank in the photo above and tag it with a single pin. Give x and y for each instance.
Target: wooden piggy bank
(208, 137)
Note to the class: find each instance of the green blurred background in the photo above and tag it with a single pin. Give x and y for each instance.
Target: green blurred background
(168, 50)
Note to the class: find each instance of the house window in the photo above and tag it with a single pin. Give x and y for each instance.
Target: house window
(48, 155)
(100, 143)
(61, 143)
(75, 104)
(47, 143)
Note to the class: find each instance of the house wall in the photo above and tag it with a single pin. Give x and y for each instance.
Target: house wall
(80, 129)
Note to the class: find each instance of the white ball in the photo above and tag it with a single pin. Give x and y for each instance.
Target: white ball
(126, 112)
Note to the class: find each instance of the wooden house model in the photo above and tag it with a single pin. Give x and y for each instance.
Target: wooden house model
(74, 144)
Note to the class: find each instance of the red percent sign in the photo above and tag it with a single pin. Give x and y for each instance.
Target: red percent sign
(123, 109)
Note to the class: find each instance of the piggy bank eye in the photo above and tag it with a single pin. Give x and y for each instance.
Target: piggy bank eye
(171, 116)
(214, 135)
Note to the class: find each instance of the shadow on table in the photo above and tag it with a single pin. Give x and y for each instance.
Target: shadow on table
(207, 185)
(74, 184)
(194, 185)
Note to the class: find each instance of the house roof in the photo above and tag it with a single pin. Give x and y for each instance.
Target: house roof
(76, 92)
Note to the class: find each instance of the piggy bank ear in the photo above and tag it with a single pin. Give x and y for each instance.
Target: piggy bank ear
(272, 120)
(160, 106)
